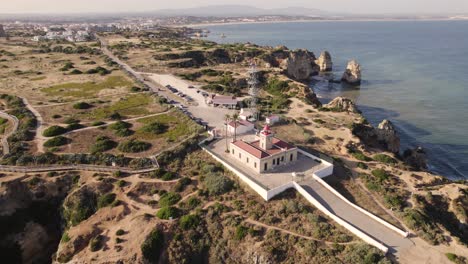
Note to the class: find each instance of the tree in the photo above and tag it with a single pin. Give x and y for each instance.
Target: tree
(235, 118)
(227, 117)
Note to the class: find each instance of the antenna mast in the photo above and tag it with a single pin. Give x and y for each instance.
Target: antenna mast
(253, 89)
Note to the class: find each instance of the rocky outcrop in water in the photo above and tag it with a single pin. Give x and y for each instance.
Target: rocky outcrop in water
(352, 75)
(324, 62)
(387, 136)
(300, 65)
(342, 104)
(415, 158)
(384, 136)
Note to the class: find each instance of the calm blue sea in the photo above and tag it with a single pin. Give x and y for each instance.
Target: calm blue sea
(415, 74)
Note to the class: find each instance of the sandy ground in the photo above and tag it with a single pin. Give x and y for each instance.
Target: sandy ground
(333, 139)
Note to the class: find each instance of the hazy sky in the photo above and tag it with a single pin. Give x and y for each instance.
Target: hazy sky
(348, 6)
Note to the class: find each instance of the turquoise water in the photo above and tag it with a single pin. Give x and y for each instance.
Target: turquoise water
(415, 74)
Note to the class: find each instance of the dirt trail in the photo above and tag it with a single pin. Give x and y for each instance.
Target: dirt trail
(11, 131)
(38, 138)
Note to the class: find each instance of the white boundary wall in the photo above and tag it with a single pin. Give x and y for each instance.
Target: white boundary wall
(326, 171)
(376, 218)
(340, 221)
(318, 175)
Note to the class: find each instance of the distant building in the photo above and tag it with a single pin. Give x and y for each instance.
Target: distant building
(273, 119)
(265, 153)
(240, 127)
(223, 101)
(2, 32)
(245, 114)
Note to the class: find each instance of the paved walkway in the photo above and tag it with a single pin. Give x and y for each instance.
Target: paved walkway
(391, 239)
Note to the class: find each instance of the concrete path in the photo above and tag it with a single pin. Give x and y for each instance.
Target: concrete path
(390, 238)
(10, 131)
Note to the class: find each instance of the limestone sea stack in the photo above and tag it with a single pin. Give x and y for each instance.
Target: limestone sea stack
(300, 65)
(352, 75)
(342, 104)
(325, 62)
(387, 136)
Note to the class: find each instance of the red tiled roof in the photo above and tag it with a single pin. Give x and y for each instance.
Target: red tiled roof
(222, 99)
(254, 147)
(281, 144)
(258, 153)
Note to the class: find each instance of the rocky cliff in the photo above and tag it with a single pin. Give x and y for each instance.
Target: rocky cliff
(352, 75)
(415, 158)
(30, 218)
(384, 136)
(387, 136)
(325, 62)
(300, 65)
(342, 104)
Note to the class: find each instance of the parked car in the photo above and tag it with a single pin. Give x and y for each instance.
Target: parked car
(191, 86)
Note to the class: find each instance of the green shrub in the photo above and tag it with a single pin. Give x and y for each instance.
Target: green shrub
(167, 176)
(103, 144)
(192, 202)
(121, 183)
(241, 232)
(153, 246)
(65, 237)
(189, 221)
(360, 156)
(95, 243)
(125, 132)
(120, 232)
(181, 183)
(363, 253)
(98, 123)
(169, 199)
(74, 126)
(82, 105)
(217, 183)
(384, 159)
(380, 174)
(56, 142)
(120, 125)
(54, 131)
(105, 200)
(167, 212)
(155, 128)
(134, 146)
(76, 72)
(362, 166)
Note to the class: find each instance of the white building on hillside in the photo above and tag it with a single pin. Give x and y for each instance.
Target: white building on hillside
(265, 153)
(240, 127)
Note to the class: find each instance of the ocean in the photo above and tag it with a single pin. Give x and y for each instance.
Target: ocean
(415, 73)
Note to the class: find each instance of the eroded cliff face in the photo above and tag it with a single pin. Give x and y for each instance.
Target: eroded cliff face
(324, 62)
(30, 221)
(300, 65)
(387, 135)
(384, 136)
(352, 74)
(415, 158)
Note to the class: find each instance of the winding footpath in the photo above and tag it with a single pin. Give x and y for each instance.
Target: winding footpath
(40, 126)
(13, 120)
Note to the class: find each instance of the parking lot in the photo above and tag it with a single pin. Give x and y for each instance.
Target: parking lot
(197, 106)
